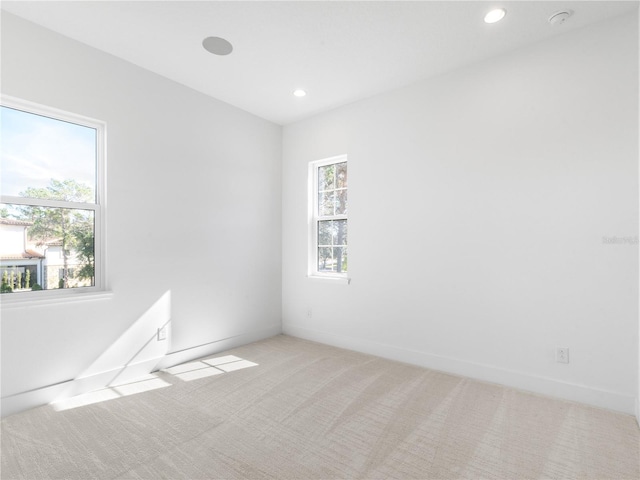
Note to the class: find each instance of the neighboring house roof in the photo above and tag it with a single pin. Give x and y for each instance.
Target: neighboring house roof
(22, 255)
(13, 221)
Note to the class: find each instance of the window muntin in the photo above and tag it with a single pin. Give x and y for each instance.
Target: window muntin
(329, 224)
(52, 200)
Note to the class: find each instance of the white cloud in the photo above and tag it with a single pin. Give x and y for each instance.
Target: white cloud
(39, 149)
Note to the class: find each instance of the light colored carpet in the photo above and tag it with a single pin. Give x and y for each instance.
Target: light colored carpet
(309, 411)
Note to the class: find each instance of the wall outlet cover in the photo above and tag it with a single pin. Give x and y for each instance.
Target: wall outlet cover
(562, 355)
(162, 333)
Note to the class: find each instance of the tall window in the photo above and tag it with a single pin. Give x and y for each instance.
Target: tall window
(328, 230)
(52, 165)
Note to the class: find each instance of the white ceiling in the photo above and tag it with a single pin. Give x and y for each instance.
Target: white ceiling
(339, 51)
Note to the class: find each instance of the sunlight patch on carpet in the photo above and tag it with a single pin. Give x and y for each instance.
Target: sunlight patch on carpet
(146, 384)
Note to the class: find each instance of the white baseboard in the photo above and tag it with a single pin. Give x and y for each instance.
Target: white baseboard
(536, 384)
(638, 411)
(32, 398)
(49, 393)
(176, 358)
(39, 396)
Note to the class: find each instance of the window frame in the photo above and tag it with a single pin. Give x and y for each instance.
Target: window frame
(314, 218)
(98, 208)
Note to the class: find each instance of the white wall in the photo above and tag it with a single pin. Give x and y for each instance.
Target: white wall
(13, 239)
(478, 204)
(180, 165)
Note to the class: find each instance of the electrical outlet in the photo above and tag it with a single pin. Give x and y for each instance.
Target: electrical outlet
(562, 355)
(162, 333)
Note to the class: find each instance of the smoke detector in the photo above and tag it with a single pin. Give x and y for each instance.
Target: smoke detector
(560, 17)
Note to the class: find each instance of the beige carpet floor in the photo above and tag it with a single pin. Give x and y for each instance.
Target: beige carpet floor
(309, 411)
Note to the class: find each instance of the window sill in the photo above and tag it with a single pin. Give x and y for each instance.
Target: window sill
(8, 301)
(330, 279)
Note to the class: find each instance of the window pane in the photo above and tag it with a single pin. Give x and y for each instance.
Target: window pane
(341, 202)
(51, 248)
(325, 232)
(340, 259)
(41, 157)
(341, 175)
(340, 232)
(326, 203)
(326, 177)
(325, 259)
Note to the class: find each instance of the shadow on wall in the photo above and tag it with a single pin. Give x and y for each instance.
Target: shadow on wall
(134, 354)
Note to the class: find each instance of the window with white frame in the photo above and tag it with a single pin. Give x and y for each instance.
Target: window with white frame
(52, 192)
(329, 209)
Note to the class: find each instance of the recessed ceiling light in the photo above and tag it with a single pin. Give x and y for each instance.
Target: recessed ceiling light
(299, 93)
(495, 15)
(217, 46)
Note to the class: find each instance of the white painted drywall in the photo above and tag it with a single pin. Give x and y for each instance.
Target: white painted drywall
(479, 202)
(638, 352)
(193, 215)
